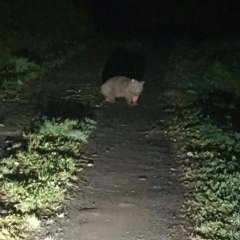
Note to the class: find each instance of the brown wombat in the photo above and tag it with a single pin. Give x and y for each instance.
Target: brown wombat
(120, 87)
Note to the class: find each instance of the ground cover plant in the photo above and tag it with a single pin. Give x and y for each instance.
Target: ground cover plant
(208, 137)
(210, 163)
(35, 178)
(37, 36)
(206, 65)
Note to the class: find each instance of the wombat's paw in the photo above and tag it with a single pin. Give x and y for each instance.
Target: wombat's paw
(132, 103)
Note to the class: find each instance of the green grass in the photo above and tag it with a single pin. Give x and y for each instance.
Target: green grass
(210, 164)
(206, 65)
(36, 178)
(36, 37)
(209, 145)
(20, 71)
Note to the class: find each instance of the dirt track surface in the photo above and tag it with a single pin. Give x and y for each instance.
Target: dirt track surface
(133, 191)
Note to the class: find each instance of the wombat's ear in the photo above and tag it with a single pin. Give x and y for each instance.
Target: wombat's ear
(133, 80)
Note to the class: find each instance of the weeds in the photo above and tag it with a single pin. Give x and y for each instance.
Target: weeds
(210, 159)
(206, 65)
(35, 40)
(16, 227)
(209, 149)
(20, 71)
(35, 179)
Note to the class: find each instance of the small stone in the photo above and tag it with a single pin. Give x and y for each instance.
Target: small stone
(142, 178)
(90, 165)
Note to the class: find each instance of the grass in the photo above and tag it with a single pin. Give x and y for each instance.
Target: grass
(20, 71)
(36, 178)
(36, 37)
(208, 140)
(206, 65)
(210, 165)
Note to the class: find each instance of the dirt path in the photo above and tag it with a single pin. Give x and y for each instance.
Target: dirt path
(132, 191)
(136, 194)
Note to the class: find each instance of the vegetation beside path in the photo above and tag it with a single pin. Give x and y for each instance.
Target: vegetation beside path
(36, 37)
(205, 127)
(36, 175)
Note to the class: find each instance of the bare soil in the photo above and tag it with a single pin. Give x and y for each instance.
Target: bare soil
(134, 190)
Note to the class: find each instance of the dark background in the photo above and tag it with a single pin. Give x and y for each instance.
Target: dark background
(123, 17)
(166, 17)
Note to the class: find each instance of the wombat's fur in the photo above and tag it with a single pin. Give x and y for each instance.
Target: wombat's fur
(120, 87)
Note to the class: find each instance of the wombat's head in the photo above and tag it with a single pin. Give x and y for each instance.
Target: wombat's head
(136, 86)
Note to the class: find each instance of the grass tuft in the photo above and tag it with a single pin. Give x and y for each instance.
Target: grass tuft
(36, 179)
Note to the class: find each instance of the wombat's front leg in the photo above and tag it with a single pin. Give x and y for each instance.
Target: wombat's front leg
(134, 100)
(131, 100)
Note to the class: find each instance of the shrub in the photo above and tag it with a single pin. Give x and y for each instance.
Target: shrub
(206, 66)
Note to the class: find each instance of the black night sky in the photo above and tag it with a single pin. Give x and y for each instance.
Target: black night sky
(164, 17)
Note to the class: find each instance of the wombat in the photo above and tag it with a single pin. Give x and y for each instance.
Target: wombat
(120, 87)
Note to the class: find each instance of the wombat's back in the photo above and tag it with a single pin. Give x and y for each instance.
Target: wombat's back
(115, 86)
(118, 87)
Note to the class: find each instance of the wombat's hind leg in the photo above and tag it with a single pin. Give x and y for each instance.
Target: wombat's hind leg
(101, 103)
(110, 99)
